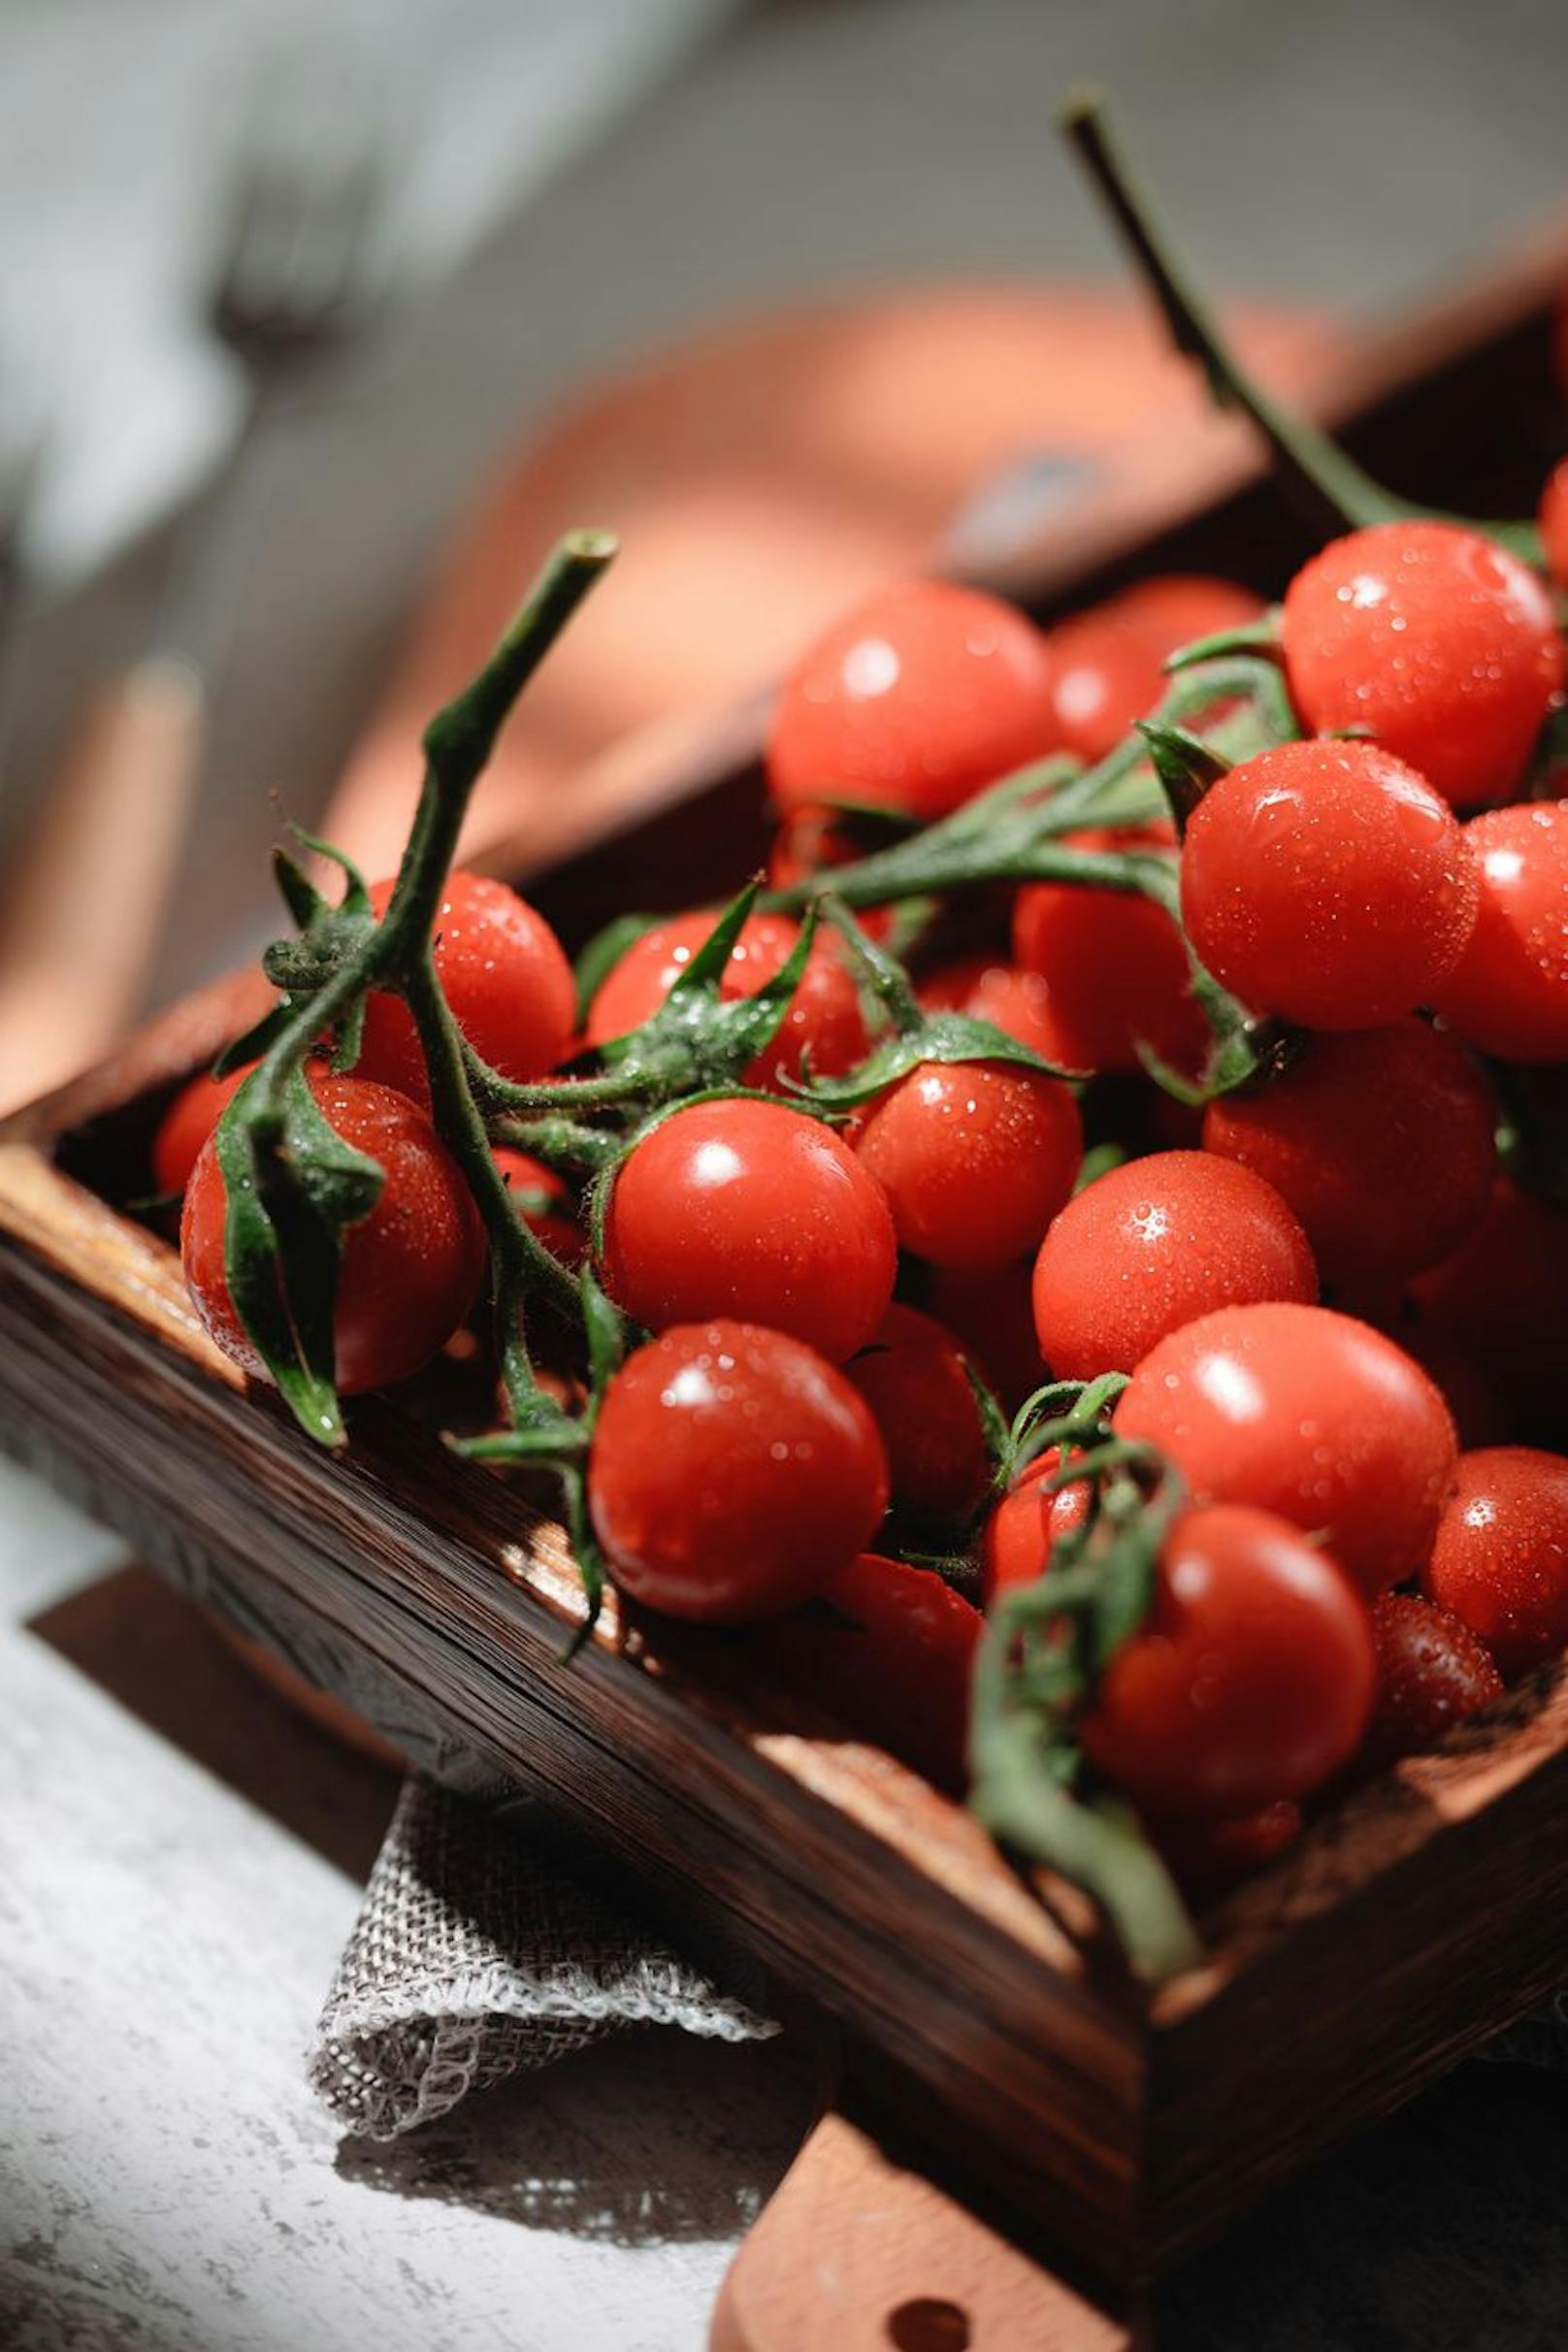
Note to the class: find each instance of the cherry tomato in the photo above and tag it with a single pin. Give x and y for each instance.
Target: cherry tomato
(1114, 966)
(911, 1374)
(824, 1023)
(991, 1315)
(186, 1124)
(918, 698)
(1503, 1293)
(1108, 664)
(890, 1649)
(1210, 1857)
(1433, 1673)
(507, 979)
(809, 843)
(1026, 1525)
(752, 1210)
(410, 1271)
(1380, 1140)
(1554, 523)
(975, 1159)
(1250, 1681)
(1017, 1002)
(733, 1473)
(1500, 1559)
(1437, 642)
(1327, 883)
(1508, 993)
(1150, 1245)
(1304, 1413)
(544, 1201)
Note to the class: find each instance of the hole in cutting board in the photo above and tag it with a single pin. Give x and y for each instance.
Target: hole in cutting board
(929, 2325)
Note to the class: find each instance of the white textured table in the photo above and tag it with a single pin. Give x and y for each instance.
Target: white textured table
(179, 1863)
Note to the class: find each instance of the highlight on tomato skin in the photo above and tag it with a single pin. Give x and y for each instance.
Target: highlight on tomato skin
(974, 1157)
(733, 1473)
(1508, 992)
(748, 1209)
(410, 1271)
(1308, 1414)
(1024, 1528)
(917, 699)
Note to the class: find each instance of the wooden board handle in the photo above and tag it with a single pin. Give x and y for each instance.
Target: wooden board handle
(855, 2253)
(89, 887)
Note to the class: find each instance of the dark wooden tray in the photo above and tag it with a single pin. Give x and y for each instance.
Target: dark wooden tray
(431, 1597)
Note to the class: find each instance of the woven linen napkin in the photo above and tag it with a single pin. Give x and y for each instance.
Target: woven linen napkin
(478, 1954)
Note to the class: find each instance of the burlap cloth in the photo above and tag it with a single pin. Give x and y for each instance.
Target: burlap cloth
(478, 1953)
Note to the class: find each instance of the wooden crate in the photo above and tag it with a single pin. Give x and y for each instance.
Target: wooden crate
(434, 1599)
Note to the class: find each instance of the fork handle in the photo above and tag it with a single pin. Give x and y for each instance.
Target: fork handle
(90, 883)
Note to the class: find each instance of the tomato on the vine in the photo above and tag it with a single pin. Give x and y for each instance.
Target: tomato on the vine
(991, 1313)
(1150, 1246)
(1307, 1414)
(1114, 966)
(1433, 1673)
(186, 1124)
(1553, 520)
(1108, 664)
(505, 978)
(912, 1375)
(733, 1473)
(543, 1197)
(975, 1158)
(1508, 992)
(1383, 1142)
(918, 698)
(752, 1210)
(1250, 1681)
(1500, 1558)
(890, 1649)
(1503, 1293)
(1437, 642)
(409, 1270)
(1327, 883)
(1210, 1857)
(1015, 1002)
(824, 1024)
(1026, 1525)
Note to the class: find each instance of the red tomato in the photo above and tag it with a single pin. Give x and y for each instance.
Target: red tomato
(1327, 883)
(1501, 1561)
(1113, 966)
(733, 1473)
(824, 1023)
(1017, 1002)
(975, 1159)
(1250, 1681)
(1508, 993)
(911, 1374)
(1554, 523)
(1108, 664)
(186, 1124)
(410, 1271)
(1304, 1413)
(810, 843)
(1210, 1857)
(918, 698)
(1152, 1244)
(1504, 1292)
(507, 979)
(1026, 1525)
(1380, 1140)
(991, 1315)
(1433, 1673)
(752, 1210)
(1437, 642)
(546, 1203)
(891, 1651)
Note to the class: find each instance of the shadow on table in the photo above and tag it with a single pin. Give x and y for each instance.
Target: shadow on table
(586, 2150)
(159, 1655)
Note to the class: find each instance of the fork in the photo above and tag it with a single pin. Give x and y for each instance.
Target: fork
(295, 276)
